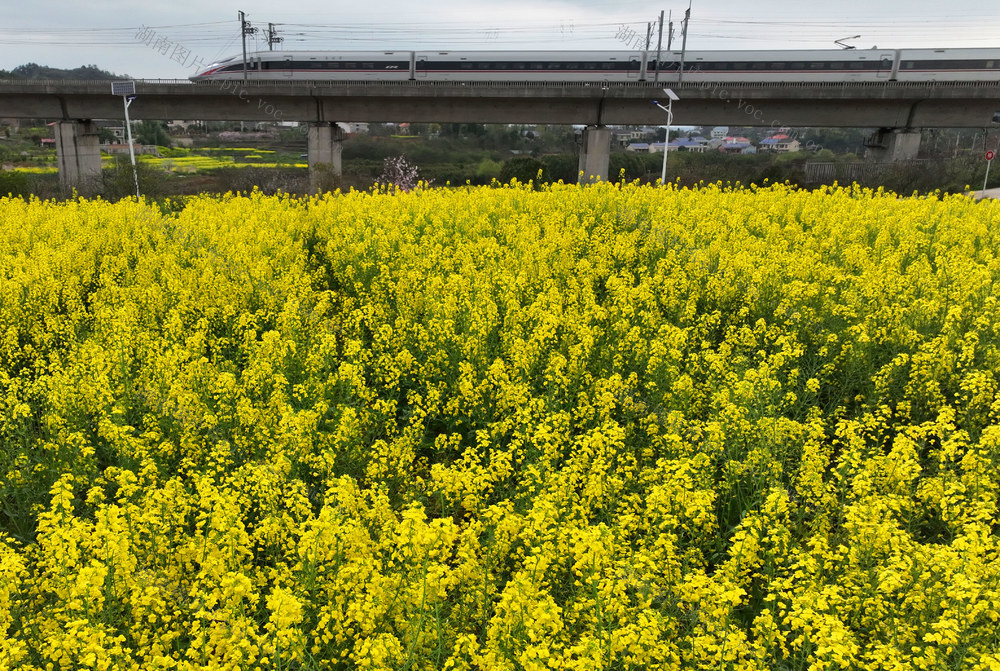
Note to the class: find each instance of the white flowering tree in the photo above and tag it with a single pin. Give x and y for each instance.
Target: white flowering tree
(397, 171)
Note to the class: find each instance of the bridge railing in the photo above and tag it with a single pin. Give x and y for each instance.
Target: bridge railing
(89, 82)
(424, 83)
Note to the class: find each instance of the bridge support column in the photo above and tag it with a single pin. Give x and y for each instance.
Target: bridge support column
(595, 155)
(325, 163)
(79, 156)
(887, 145)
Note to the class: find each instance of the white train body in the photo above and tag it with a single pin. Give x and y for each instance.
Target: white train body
(829, 65)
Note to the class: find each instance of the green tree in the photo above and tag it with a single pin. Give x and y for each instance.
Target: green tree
(524, 169)
(36, 71)
(565, 167)
(13, 184)
(105, 135)
(625, 165)
(487, 170)
(152, 132)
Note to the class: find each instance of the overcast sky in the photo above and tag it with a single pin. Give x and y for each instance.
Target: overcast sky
(171, 39)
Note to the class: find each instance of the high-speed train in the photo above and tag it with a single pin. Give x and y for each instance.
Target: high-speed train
(829, 65)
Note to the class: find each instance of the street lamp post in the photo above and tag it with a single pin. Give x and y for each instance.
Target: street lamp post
(666, 139)
(127, 91)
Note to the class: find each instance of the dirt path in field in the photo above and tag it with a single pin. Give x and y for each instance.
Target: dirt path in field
(988, 193)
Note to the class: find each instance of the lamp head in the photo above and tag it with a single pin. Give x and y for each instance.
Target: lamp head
(671, 94)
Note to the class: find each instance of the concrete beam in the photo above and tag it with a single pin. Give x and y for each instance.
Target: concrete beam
(595, 155)
(860, 104)
(888, 145)
(79, 156)
(325, 156)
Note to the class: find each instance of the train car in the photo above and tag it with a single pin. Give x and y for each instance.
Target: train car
(821, 65)
(842, 65)
(558, 66)
(314, 66)
(945, 65)
(465, 66)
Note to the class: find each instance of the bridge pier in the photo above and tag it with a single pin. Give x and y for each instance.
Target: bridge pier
(326, 146)
(887, 145)
(78, 154)
(595, 155)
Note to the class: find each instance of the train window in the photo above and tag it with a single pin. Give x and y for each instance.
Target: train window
(777, 66)
(555, 66)
(465, 66)
(518, 66)
(590, 66)
(739, 66)
(538, 66)
(759, 65)
(817, 65)
(796, 66)
(855, 65)
(367, 66)
(484, 66)
(607, 66)
(989, 65)
(350, 66)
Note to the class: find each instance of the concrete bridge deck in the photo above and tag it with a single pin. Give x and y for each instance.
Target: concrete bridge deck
(856, 104)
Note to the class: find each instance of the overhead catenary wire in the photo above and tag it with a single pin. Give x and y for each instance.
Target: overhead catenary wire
(929, 31)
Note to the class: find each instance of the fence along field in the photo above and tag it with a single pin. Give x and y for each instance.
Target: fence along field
(611, 427)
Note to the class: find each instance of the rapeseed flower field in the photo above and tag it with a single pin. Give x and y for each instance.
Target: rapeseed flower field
(605, 427)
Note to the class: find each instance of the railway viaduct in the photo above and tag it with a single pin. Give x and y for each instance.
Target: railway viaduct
(898, 109)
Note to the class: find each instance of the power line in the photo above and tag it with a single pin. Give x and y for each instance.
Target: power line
(220, 34)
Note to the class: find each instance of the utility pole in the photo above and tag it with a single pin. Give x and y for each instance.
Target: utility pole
(645, 51)
(684, 41)
(670, 29)
(245, 29)
(659, 47)
(272, 39)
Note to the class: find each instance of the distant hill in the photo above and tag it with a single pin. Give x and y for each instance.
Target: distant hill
(36, 71)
